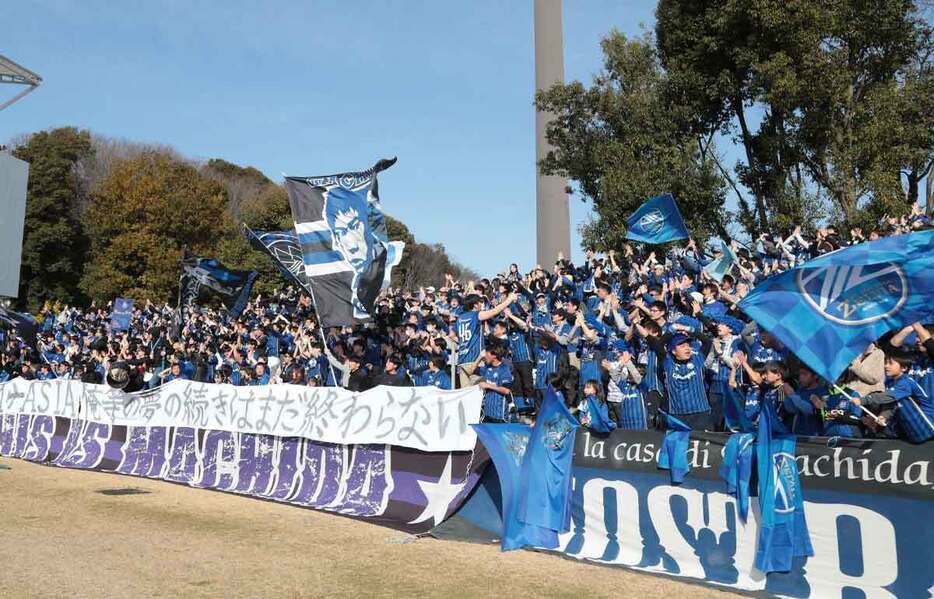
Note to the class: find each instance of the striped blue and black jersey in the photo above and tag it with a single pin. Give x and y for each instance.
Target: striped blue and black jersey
(915, 411)
(685, 386)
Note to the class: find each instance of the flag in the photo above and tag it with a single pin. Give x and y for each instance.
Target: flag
(23, 324)
(507, 444)
(283, 249)
(720, 267)
(657, 221)
(203, 276)
(343, 238)
(783, 530)
(120, 316)
(599, 416)
(828, 310)
(673, 455)
(546, 469)
(736, 469)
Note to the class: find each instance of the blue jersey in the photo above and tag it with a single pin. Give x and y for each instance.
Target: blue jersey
(469, 337)
(519, 347)
(914, 413)
(805, 419)
(440, 379)
(631, 407)
(546, 363)
(493, 401)
(760, 354)
(841, 402)
(650, 381)
(922, 372)
(684, 382)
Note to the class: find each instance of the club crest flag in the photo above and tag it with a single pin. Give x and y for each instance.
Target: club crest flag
(828, 310)
(657, 221)
(120, 316)
(342, 234)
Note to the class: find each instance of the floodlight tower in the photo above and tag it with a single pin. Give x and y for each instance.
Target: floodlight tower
(10, 72)
(553, 220)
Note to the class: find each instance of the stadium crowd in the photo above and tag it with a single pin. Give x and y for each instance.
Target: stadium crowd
(625, 337)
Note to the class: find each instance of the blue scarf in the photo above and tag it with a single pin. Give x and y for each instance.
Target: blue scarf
(674, 453)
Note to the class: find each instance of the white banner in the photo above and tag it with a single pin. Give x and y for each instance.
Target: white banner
(425, 418)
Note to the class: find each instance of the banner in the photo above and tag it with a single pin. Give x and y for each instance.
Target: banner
(869, 506)
(425, 418)
(343, 237)
(393, 486)
(122, 311)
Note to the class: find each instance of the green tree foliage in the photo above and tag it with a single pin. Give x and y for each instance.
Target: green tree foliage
(139, 219)
(621, 141)
(54, 245)
(842, 92)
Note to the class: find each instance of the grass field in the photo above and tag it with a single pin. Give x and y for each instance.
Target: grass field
(61, 537)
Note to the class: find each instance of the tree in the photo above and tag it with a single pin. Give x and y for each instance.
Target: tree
(54, 245)
(620, 141)
(139, 219)
(841, 90)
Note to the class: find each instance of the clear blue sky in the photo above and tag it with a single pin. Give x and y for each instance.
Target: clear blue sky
(315, 87)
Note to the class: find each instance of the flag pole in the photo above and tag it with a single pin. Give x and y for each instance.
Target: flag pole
(843, 392)
(324, 342)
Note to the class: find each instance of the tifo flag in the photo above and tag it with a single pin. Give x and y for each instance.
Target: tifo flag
(507, 444)
(120, 316)
(720, 267)
(23, 325)
(673, 455)
(828, 310)
(342, 233)
(206, 276)
(783, 530)
(546, 469)
(283, 249)
(657, 221)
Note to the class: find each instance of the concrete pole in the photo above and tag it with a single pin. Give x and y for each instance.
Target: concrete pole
(553, 219)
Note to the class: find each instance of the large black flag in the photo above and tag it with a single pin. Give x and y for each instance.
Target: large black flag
(342, 234)
(283, 249)
(23, 326)
(204, 276)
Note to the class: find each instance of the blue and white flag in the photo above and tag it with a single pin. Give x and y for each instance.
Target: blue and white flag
(720, 267)
(783, 530)
(657, 221)
(206, 276)
(120, 316)
(283, 249)
(828, 310)
(736, 469)
(343, 238)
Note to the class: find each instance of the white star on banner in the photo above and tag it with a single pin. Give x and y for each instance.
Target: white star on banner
(440, 495)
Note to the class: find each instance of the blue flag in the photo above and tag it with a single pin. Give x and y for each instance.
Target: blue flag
(207, 276)
(283, 249)
(736, 469)
(120, 316)
(546, 469)
(657, 221)
(829, 309)
(673, 455)
(720, 267)
(506, 444)
(783, 530)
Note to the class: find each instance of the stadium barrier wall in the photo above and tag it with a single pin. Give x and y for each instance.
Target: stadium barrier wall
(869, 507)
(73, 425)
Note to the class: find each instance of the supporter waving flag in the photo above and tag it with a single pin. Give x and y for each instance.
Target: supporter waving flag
(343, 239)
(828, 310)
(657, 221)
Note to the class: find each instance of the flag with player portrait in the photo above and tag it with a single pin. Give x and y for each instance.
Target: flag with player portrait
(345, 248)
